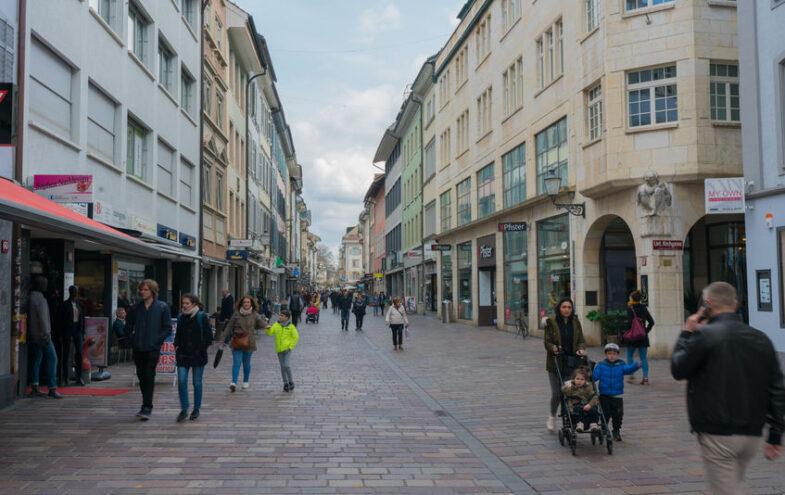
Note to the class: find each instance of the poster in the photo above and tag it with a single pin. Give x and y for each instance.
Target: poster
(725, 195)
(64, 188)
(411, 304)
(97, 352)
(167, 362)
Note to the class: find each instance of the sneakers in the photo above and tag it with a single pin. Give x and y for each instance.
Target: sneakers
(291, 386)
(286, 387)
(144, 413)
(245, 385)
(644, 381)
(181, 417)
(579, 427)
(616, 436)
(53, 393)
(549, 424)
(232, 387)
(194, 414)
(594, 427)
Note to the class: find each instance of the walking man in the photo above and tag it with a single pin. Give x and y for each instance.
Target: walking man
(72, 317)
(40, 336)
(345, 305)
(149, 323)
(735, 385)
(295, 305)
(227, 310)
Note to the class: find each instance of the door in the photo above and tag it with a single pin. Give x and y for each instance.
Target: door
(486, 296)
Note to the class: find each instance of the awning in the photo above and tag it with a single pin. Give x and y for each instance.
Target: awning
(28, 208)
(208, 260)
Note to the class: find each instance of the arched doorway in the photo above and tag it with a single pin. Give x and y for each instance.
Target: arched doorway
(618, 264)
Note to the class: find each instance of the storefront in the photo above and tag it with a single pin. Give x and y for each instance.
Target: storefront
(553, 262)
(447, 286)
(431, 286)
(486, 280)
(516, 276)
(464, 309)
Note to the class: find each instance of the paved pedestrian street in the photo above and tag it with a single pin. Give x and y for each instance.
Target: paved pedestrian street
(460, 410)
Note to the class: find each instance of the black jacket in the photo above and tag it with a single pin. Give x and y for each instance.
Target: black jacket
(640, 311)
(358, 307)
(192, 340)
(345, 303)
(227, 307)
(734, 381)
(148, 327)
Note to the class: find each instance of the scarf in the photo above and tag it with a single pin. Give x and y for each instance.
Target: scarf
(192, 312)
(245, 312)
(566, 329)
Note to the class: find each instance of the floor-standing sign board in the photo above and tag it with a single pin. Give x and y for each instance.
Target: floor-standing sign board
(97, 352)
(167, 361)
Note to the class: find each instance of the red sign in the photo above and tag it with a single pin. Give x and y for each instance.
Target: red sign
(668, 245)
(5, 244)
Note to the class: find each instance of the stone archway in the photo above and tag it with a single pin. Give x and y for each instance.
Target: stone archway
(595, 247)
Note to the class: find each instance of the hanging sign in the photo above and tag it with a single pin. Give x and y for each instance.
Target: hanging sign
(724, 195)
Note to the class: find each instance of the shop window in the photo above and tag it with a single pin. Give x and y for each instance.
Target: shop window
(728, 259)
(553, 262)
(464, 190)
(465, 281)
(516, 276)
(445, 210)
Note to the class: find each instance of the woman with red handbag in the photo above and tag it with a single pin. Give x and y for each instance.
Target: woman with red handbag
(241, 327)
(638, 314)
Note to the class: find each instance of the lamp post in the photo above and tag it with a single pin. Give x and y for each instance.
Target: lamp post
(552, 186)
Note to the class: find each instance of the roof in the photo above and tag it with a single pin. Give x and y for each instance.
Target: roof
(376, 185)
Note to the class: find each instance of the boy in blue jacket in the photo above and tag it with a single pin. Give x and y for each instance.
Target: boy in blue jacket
(610, 375)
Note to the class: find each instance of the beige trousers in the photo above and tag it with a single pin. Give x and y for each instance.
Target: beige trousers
(726, 459)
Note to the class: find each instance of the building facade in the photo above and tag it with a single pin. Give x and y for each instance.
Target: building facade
(352, 256)
(389, 152)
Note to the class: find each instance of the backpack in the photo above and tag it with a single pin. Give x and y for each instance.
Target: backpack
(295, 304)
(637, 331)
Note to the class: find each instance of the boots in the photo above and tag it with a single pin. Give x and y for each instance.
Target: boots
(35, 391)
(54, 394)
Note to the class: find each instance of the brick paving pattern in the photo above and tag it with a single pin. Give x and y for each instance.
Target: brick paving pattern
(460, 410)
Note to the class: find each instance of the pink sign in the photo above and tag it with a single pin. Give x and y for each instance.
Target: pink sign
(64, 188)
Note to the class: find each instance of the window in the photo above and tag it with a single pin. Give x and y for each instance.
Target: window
(462, 124)
(138, 36)
(356, 251)
(484, 113)
(511, 12)
(219, 191)
(462, 67)
(101, 111)
(551, 153)
(724, 92)
(219, 109)
(550, 54)
(51, 89)
(781, 259)
(430, 159)
(512, 79)
(444, 88)
(166, 66)
(430, 218)
(430, 109)
(207, 179)
(444, 147)
(108, 10)
(465, 280)
(592, 14)
(594, 113)
(208, 96)
(553, 262)
(516, 276)
(137, 152)
(187, 92)
(514, 170)
(165, 169)
(355, 264)
(642, 4)
(445, 211)
(486, 193)
(482, 36)
(186, 184)
(645, 86)
(189, 9)
(463, 193)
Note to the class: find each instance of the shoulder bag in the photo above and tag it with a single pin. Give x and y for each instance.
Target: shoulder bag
(637, 331)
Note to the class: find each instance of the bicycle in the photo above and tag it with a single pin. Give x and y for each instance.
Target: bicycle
(521, 325)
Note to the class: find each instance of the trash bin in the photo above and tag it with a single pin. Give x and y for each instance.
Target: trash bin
(446, 311)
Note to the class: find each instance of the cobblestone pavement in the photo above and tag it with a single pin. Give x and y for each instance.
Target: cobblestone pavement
(460, 410)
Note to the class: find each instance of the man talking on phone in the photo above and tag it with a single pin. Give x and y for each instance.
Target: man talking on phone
(735, 386)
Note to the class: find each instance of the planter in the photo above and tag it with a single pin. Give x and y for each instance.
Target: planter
(613, 338)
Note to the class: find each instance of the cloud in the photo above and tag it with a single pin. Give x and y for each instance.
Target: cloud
(377, 20)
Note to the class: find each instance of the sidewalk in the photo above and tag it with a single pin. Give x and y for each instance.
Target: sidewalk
(460, 410)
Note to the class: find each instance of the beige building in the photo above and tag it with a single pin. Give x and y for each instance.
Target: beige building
(600, 93)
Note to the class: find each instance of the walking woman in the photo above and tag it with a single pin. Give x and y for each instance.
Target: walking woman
(382, 300)
(194, 335)
(241, 327)
(563, 338)
(635, 309)
(396, 319)
(358, 308)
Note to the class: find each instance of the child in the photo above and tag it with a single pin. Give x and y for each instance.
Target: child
(312, 311)
(582, 400)
(285, 339)
(610, 373)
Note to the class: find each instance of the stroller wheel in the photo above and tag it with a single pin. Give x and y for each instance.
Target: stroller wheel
(561, 437)
(573, 443)
(593, 438)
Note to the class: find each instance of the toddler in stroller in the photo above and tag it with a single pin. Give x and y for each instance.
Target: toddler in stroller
(312, 314)
(582, 400)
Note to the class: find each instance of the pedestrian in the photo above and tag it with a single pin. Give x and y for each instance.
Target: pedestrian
(396, 319)
(382, 302)
(375, 304)
(122, 300)
(609, 374)
(149, 323)
(334, 297)
(295, 304)
(358, 308)
(240, 331)
(227, 310)
(118, 328)
(191, 341)
(72, 317)
(286, 338)
(316, 302)
(39, 331)
(734, 386)
(582, 401)
(563, 339)
(345, 304)
(635, 309)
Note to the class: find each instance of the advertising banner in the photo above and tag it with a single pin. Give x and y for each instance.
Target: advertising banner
(167, 362)
(724, 195)
(98, 351)
(64, 188)
(411, 304)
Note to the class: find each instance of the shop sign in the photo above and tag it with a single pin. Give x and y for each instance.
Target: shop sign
(167, 233)
(96, 328)
(105, 213)
(724, 195)
(240, 243)
(188, 241)
(6, 130)
(485, 252)
(441, 247)
(81, 208)
(378, 275)
(368, 275)
(239, 255)
(668, 245)
(167, 361)
(64, 188)
(143, 225)
(513, 227)
(296, 272)
(414, 253)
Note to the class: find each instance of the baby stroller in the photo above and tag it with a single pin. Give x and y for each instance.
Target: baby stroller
(311, 317)
(567, 433)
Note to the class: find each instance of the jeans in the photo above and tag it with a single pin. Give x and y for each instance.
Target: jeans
(613, 408)
(145, 372)
(586, 417)
(48, 351)
(376, 310)
(182, 386)
(553, 378)
(642, 351)
(345, 319)
(359, 319)
(285, 360)
(243, 357)
(76, 338)
(397, 333)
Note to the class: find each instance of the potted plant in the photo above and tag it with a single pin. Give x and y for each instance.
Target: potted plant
(611, 323)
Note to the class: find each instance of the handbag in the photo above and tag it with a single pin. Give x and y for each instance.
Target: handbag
(241, 341)
(637, 331)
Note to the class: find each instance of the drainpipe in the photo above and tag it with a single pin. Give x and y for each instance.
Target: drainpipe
(201, 147)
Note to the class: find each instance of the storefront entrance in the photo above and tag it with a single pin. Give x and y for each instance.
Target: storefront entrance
(486, 280)
(617, 262)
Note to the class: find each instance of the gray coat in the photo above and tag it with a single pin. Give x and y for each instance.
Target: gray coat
(39, 327)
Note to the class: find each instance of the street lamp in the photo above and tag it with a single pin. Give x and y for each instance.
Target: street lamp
(552, 186)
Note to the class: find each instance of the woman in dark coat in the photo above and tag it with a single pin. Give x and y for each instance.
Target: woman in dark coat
(636, 309)
(563, 337)
(194, 335)
(358, 308)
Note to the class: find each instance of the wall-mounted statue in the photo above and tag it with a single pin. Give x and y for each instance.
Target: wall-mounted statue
(653, 196)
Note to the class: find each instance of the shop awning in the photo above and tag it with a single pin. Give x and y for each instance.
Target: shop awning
(26, 207)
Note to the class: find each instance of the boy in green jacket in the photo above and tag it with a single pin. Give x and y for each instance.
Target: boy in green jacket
(286, 338)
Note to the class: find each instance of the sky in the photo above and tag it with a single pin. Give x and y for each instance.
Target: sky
(342, 68)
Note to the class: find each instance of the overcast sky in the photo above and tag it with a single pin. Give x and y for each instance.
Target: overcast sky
(342, 67)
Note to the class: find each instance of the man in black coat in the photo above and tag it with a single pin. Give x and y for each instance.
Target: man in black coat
(345, 305)
(227, 310)
(72, 320)
(735, 386)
